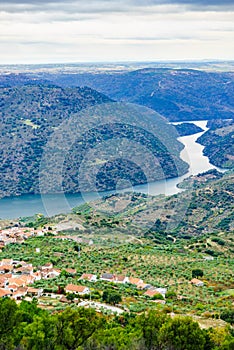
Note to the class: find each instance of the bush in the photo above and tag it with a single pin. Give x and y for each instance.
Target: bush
(228, 316)
(197, 273)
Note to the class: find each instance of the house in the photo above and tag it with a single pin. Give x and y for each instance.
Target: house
(50, 273)
(12, 287)
(121, 279)
(3, 281)
(19, 293)
(135, 281)
(81, 290)
(24, 270)
(63, 299)
(162, 291)
(18, 282)
(6, 268)
(197, 283)
(37, 275)
(4, 293)
(54, 273)
(34, 292)
(6, 262)
(39, 233)
(107, 277)
(24, 263)
(88, 277)
(6, 276)
(144, 286)
(151, 293)
(47, 266)
(208, 258)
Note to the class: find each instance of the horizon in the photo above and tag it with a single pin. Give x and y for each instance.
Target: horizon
(200, 60)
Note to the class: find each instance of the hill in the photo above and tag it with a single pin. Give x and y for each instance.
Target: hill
(32, 113)
(115, 236)
(207, 208)
(177, 94)
(218, 142)
(186, 129)
(29, 115)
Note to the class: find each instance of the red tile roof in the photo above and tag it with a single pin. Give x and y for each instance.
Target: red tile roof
(75, 288)
(151, 293)
(4, 293)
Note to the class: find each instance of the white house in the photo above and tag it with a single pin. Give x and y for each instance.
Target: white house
(89, 277)
(197, 283)
(74, 289)
(121, 279)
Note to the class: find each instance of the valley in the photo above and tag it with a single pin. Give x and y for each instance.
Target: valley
(116, 227)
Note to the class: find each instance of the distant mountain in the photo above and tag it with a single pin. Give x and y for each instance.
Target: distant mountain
(31, 113)
(178, 94)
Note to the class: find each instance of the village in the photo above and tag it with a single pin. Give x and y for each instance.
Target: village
(16, 278)
(23, 280)
(18, 235)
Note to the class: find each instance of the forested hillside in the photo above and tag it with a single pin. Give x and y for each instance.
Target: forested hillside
(219, 144)
(28, 327)
(31, 113)
(206, 208)
(178, 94)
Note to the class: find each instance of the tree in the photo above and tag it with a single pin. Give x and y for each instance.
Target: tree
(228, 316)
(221, 338)
(74, 327)
(71, 296)
(29, 310)
(9, 323)
(111, 297)
(183, 334)
(150, 325)
(40, 334)
(197, 273)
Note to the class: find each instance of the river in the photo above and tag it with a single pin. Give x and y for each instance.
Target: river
(27, 205)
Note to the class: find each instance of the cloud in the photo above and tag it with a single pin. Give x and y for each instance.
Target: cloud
(78, 30)
(110, 6)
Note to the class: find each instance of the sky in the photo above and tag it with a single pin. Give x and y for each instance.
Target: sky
(39, 31)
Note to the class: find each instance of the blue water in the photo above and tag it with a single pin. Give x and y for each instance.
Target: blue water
(27, 205)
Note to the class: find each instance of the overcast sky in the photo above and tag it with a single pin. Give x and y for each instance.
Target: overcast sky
(39, 31)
